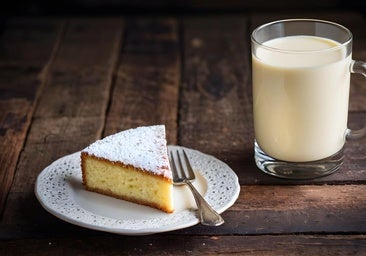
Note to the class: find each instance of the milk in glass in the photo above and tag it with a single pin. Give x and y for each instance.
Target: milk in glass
(300, 97)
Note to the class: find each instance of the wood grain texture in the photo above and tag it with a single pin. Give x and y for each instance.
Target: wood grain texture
(28, 41)
(147, 82)
(353, 245)
(259, 210)
(215, 109)
(65, 121)
(90, 43)
(21, 68)
(15, 117)
(293, 210)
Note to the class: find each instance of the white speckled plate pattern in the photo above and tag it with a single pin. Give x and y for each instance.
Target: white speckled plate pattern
(60, 191)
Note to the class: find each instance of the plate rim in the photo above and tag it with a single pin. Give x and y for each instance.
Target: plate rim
(137, 231)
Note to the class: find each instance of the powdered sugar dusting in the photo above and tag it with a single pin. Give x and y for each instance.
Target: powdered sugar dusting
(143, 147)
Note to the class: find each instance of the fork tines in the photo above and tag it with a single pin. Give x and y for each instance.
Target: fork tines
(181, 169)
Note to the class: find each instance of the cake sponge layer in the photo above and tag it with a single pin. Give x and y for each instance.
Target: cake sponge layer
(126, 182)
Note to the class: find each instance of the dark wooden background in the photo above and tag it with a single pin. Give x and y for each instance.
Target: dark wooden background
(74, 71)
(158, 7)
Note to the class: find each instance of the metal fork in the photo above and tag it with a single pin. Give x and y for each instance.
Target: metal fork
(183, 175)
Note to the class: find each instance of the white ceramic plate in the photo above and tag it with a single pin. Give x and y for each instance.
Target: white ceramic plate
(60, 191)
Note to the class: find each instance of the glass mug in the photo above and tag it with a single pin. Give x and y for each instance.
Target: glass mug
(301, 78)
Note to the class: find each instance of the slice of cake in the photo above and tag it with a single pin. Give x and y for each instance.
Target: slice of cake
(132, 165)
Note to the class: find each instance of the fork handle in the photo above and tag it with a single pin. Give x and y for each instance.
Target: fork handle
(208, 216)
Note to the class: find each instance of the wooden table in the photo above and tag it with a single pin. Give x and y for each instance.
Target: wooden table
(65, 82)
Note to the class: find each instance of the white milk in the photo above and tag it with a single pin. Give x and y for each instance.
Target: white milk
(300, 99)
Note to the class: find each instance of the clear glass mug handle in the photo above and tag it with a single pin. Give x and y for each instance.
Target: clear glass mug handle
(358, 67)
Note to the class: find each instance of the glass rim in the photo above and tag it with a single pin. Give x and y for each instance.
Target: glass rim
(270, 48)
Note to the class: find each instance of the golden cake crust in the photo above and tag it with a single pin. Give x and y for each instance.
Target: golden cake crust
(85, 155)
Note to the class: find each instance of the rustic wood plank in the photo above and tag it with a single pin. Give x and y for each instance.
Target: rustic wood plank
(307, 209)
(21, 66)
(191, 245)
(259, 210)
(62, 123)
(65, 112)
(15, 116)
(82, 71)
(28, 41)
(215, 113)
(75, 92)
(164, 7)
(148, 76)
(90, 42)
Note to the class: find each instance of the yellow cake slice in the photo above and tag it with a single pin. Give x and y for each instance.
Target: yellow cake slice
(131, 165)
